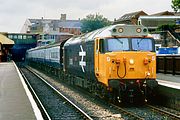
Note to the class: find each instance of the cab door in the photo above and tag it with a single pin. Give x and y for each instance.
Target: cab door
(100, 61)
(96, 51)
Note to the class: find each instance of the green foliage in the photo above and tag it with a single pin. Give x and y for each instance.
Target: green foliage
(166, 27)
(93, 22)
(176, 5)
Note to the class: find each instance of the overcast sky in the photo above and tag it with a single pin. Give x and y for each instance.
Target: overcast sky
(13, 13)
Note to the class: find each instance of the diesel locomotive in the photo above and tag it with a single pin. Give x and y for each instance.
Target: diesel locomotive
(117, 62)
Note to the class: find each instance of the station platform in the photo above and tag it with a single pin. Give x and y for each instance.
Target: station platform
(168, 80)
(16, 101)
(168, 91)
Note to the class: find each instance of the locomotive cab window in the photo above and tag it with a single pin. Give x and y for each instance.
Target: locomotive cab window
(142, 44)
(117, 44)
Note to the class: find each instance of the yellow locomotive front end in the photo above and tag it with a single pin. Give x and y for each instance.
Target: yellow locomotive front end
(126, 63)
(131, 65)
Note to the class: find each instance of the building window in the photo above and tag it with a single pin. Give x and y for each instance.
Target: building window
(10, 36)
(19, 36)
(29, 37)
(15, 37)
(24, 36)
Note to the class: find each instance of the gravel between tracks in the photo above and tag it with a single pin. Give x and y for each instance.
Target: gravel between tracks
(95, 107)
(91, 106)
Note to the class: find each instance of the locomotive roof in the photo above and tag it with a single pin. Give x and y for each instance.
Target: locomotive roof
(118, 30)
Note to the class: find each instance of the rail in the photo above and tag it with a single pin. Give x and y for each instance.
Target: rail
(129, 114)
(173, 116)
(40, 105)
(86, 116)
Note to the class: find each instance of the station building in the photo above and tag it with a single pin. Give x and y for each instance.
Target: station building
(39, 32)
(52, 30)
(130, 18)
(44, 26)
(5, 47)
(22, 42)
(166, 37)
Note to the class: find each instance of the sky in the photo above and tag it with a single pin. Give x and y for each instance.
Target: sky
(13, 13)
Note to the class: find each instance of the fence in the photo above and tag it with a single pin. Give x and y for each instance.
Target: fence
(168, 64)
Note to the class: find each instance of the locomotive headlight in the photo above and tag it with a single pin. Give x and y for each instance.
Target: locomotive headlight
(138, 30)
(131, 61)
(120, 30)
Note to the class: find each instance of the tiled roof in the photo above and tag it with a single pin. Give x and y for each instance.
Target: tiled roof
(57, 23)
(131, 15)
(5, 40)
(163, 13)
(70, 24)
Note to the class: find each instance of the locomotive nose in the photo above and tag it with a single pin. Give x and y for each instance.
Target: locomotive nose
(139, 66)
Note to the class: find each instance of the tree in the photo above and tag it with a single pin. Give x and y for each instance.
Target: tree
(176, 5)
(93, 22)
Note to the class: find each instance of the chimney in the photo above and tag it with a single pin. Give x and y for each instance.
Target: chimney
(63, 17)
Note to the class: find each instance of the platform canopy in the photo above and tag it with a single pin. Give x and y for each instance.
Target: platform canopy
(5, 41)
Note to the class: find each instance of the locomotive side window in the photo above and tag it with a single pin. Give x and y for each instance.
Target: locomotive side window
(101, 46)
(143, 44)
(97, 46)
(117, 44)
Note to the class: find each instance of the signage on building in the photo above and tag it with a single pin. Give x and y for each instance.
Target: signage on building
(177, 22)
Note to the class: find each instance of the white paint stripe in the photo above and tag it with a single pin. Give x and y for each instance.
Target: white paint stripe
(82, 63)
(28, 93)
(169, 84)
(81, 48)
(82, 53)
(82, 68)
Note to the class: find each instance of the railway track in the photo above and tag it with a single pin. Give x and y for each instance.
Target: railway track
(149, 112)
(134, 113)
(164, 112)
(119, 112)
(130, 115)
(52, 103)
